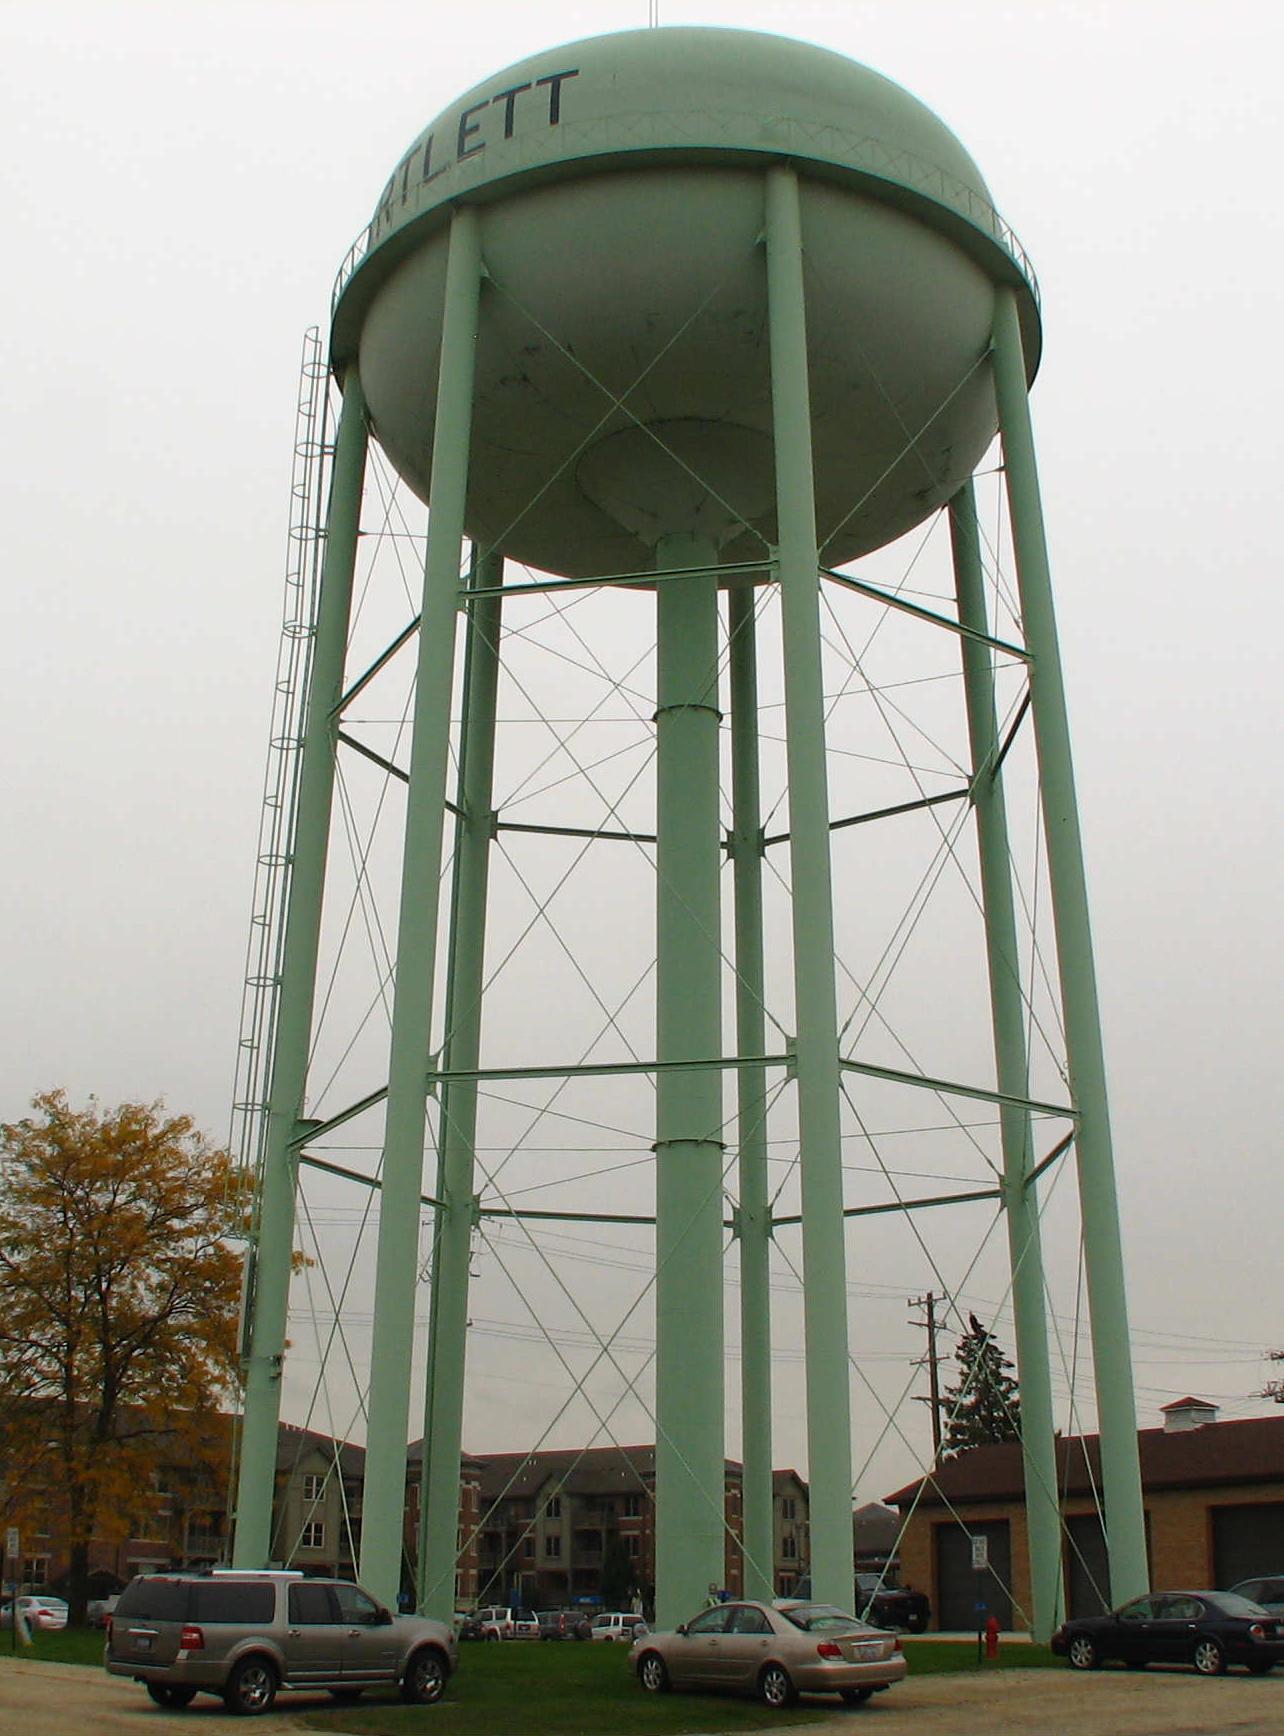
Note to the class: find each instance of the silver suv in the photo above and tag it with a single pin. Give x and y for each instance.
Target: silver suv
(244, 1635)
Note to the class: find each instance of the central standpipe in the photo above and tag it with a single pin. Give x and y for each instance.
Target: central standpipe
(689, 1454)
(829, 1444)
(753, 1214)
(461, 1051)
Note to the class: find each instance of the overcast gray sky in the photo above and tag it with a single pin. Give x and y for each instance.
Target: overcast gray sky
(180, 183)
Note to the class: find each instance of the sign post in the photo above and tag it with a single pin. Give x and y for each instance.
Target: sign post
(12, 1555)
(980, 1562)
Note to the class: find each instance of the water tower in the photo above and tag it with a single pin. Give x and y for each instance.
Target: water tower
(512, 329)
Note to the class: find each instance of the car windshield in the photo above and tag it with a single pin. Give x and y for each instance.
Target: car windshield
(814, 1618)
(1230, 1604)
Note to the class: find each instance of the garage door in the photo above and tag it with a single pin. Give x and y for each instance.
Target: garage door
(1247, 1541)
(959, 1586)
(1088, 1564)
(1087, 1569)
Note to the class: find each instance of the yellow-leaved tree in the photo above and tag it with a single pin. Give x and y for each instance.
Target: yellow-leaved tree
(118, 1316)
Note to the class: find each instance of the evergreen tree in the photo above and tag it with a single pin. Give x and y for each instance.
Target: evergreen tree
(984, 1405)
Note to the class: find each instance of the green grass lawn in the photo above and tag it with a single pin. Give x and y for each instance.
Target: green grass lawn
(589, 1690)
(57, 1646)
(559, 1690)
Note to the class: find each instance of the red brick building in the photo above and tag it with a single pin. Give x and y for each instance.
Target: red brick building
(556, 1526)
(1214, 1509)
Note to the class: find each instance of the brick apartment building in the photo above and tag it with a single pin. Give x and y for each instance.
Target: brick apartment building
(557, 1526)
(1213, 1494)
(540, 1528)
(179, 1519)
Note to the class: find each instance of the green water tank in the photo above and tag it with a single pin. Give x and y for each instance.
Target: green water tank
(623, 386)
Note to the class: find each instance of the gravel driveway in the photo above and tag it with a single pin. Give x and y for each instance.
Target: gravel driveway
(61, 1699)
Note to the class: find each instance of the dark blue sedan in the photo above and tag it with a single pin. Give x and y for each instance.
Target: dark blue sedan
(1208, 1629)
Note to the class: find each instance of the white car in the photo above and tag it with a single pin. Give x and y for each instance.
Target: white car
(38, 1612)
(495, 1622)
(615, 1625)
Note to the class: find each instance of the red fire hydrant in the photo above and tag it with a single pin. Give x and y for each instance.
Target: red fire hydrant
(992, 1637)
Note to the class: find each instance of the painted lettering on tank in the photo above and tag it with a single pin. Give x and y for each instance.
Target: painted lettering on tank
(467, 127)
(555, 81)
(469, 140)
(509, 99)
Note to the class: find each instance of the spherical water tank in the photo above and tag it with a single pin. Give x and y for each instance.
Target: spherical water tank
(623, 383)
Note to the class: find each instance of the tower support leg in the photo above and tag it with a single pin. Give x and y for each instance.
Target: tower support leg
(690, 1466)
(1098, 1200)
(1025, 1246)
(269, 1291)
(396, 1274)
(823, 1235)
(465, 975)
(753, 1219)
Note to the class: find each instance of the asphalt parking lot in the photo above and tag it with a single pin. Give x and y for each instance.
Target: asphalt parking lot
(39, 1699)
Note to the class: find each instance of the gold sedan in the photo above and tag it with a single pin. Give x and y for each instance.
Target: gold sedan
(777, 1650)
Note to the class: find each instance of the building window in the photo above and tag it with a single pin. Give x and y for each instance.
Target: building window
(789, 1547)
(313, 1486)
(35, 1570)
(554, 1508)
(788, 1507)
(633, 1506)
(313, 1535)
(553, 1548)
(633, 1544)
(528, 1548)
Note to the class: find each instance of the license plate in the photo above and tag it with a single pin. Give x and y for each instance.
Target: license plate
(142, 1642)
(871, 1650)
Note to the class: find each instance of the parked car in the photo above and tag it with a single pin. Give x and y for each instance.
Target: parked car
(98, 1611)
(563, 1624)
(1209, 1629)
(38, 1612)
(1269, 1592)
(496, 1622)
(618, 1625)
(776, 1650)
(242, 1636)
(885, 1603)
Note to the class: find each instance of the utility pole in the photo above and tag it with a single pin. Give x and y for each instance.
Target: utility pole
(933, 1362)
(1273, 1389)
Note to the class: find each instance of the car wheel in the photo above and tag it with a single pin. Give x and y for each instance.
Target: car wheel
(775, 1686)
(855, 1696)
(424, 1682)
(1083, 1653)
(917, 1622)
(168, 1694)
(492, 1635)
(1209, 1658)
(251, 1688)
(652, 1674)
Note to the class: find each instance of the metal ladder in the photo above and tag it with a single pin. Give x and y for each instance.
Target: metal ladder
(313, 452)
